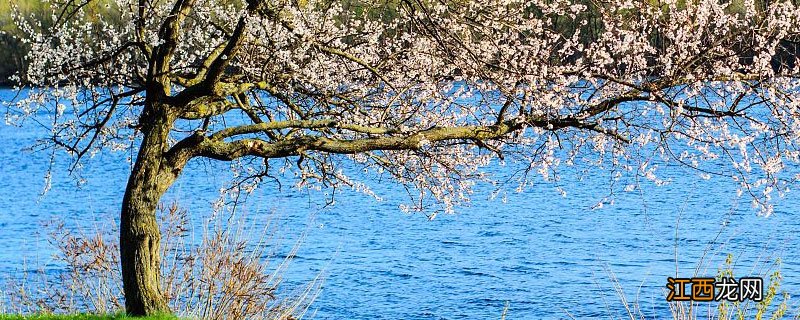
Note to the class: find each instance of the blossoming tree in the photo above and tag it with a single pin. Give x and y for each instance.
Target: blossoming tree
(427, 92)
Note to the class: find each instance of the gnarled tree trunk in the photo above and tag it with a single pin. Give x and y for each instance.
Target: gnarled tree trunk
(140, 236)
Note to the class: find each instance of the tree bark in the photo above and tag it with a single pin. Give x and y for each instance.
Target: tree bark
(140, 236)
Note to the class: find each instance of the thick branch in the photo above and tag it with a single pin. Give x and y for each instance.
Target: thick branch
(169, 34)
(300, 124)
(206, 107)
(216, 148)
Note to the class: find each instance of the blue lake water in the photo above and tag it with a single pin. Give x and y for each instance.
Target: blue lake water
(545, 255)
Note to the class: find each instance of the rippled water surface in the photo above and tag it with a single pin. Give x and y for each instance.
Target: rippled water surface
(545, 255)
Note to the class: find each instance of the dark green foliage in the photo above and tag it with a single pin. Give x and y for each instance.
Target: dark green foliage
(590, 22)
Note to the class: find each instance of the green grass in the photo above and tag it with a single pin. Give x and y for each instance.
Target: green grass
(82, 317)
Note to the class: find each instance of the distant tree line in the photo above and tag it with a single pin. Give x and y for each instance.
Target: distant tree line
(12, 51)
(588, 23)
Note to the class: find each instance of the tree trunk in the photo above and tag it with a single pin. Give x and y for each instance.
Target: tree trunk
(139, 231)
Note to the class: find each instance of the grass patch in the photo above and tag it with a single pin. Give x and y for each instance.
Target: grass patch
(83, 317)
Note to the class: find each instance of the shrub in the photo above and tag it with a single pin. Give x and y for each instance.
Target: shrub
(226, 274)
